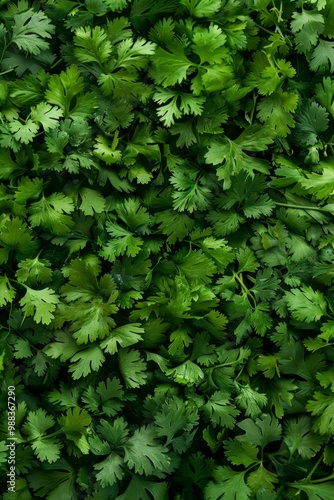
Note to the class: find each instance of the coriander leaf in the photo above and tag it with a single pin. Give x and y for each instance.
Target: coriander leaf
(299, 437)
(46, 115)
(321, 185)
(23, 132)
(74, 425)
(30, 30)
(122, 336)
(243, 453)
(251, 401)
(315, 491)
(86, 361)
(261, 480)
(263, 431)
(220, 411)
(110, 470)
(187, 373)
(144, 489)
(91, 201)
(34, 271)
(39, 303)
(307, 25)
(7, 292)
(144, 453)
(311, 122)
(171, 67)
(132, 367)
(52, 213)
(174, 224)
(201, 8)
(228, 485)
(46, 448)
(322, 407)
(305, 304)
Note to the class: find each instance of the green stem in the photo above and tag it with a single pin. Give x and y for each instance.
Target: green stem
(300, 207)
(244, 288)
(7, 71)
(328, 478)
(314, 468)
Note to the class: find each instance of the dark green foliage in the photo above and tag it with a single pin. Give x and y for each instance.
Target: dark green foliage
(166, 248)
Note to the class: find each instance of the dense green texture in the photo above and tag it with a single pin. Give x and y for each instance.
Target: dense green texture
(167, 248)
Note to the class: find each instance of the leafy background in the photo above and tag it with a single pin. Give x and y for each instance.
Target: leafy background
(166, 246)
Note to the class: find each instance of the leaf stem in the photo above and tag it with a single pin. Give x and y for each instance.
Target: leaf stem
(314, 468)
(300, 207)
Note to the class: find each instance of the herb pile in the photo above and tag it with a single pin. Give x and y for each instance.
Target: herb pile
(167, 248)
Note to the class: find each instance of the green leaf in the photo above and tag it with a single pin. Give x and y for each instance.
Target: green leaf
(311, 122)
(92, 45)
(220, 411)
(144, 454)
(132, 367)
(86, 361)
(262, 480)
(145, 490)
(7, 292)
(322, 406)
(188, 373)
(51, 213)
(74, 425)
(174, 224)
(110, 470)
(201, 8)
(263, 431)
(122, 336)
(305, 304)
(315, 491)
(230, 154)
(171, 67)
(228, 485)
(299, 437)
(23, 132)
(40, 304)
(307, 26)
(47, 115)
(34, 271)
(55, 481)
(91, 201)
(46, 448)
(243, 453)
(251, 401)
(321, 185)
(30, 30)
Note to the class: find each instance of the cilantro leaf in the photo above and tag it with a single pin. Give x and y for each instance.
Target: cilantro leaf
(232, 159)
(227, 484)
(110, 470)
(46, 448)
(74, 424)
(46, 115)
(7, 292)
(40, 304)
(132, 367)
(52, 213)
(85, 361)
(322, 406)
(306, 304)
(34, 271)
(30, 30)
(171, 67)
(201, 8)
(144, 453)
(300, 438)
(311, 122)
